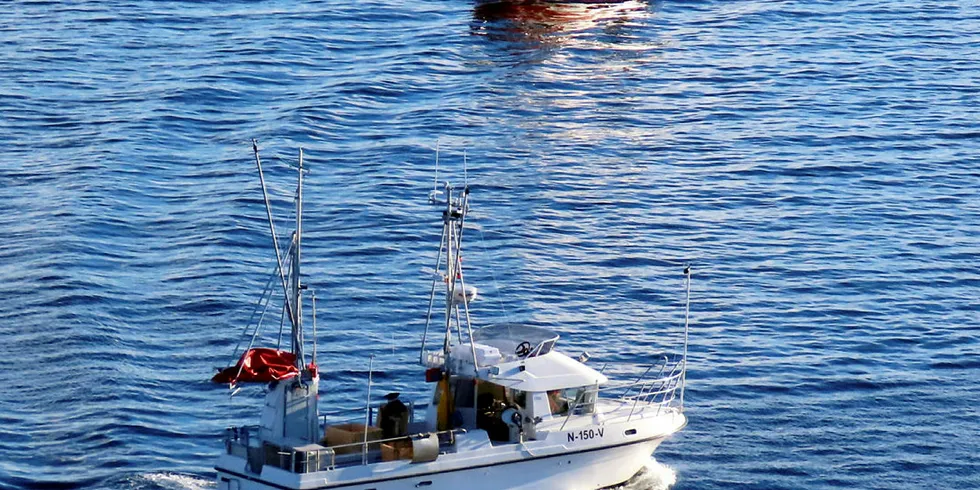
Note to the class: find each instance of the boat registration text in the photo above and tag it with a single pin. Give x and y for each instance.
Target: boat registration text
(585, 435)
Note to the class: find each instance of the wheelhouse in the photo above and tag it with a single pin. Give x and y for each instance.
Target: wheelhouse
(507, 381)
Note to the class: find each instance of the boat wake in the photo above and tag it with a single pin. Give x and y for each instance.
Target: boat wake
(653, 476)
(172, 481)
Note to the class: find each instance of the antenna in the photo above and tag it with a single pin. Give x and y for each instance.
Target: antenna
(314, 327)
(465, 182)
(687, 316)
(297, 331)
(434, 195)
(367, 411)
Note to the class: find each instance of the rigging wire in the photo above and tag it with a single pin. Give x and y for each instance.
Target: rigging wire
(493, 276)
(282, 317)
(264, 301)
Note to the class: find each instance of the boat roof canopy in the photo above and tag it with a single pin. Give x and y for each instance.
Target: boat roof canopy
(552, 371)
(520, 357)
(507, 337)
(514, 331)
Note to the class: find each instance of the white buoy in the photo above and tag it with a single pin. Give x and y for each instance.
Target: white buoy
(466, 295)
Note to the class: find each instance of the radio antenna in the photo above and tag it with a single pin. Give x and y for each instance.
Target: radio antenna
(434, 195)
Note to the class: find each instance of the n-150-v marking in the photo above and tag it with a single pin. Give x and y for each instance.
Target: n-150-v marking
(585, 435)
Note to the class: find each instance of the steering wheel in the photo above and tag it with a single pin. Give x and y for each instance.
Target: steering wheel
(523, 349)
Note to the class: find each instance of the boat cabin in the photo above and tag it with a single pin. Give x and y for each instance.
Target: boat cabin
(516, 384)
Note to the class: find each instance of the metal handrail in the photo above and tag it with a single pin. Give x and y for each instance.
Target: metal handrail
(374, 442)
(667, 394)
(675, 370)
(241, 437)
(663, 366)
(342, 411)
(412, 410)
(644, 394)
(666, 391)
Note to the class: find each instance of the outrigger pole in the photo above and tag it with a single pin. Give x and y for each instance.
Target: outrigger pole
(293, 287)
(272, 228)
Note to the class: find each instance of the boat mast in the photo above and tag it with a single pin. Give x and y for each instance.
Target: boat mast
(297, 330)
(453, 218)
(450, 265)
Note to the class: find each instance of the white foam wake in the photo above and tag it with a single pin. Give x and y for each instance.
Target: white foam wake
(654, 476)
(177, 481)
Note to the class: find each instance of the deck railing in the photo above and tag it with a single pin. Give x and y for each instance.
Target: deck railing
(348, 414)
(244, 442)
(660, 390)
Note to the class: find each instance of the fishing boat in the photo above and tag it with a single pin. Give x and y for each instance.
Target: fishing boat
(508, 409)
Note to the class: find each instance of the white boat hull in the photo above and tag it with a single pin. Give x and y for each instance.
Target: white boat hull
(590, 469)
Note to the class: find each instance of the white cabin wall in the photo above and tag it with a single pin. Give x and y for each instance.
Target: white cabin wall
(301, 411)
(270, 425)
(539, 406)
(289, 415)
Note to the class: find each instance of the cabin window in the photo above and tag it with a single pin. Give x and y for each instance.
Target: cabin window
(544, 348)
(581, 400)
(585, 400)
(557, 402)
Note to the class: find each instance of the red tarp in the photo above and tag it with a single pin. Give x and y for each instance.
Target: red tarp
(260, 365)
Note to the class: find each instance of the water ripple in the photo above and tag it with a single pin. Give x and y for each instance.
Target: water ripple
(815, 162)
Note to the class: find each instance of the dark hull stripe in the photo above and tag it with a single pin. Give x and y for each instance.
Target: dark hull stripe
(422, 475)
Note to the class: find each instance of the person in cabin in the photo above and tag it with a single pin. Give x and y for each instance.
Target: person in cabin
(488, 417)
(393, 417)
(557, 404)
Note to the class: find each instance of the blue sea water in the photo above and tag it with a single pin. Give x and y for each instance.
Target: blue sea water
(816, 162)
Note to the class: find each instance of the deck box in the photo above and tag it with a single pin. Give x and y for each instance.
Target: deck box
(340, 434)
